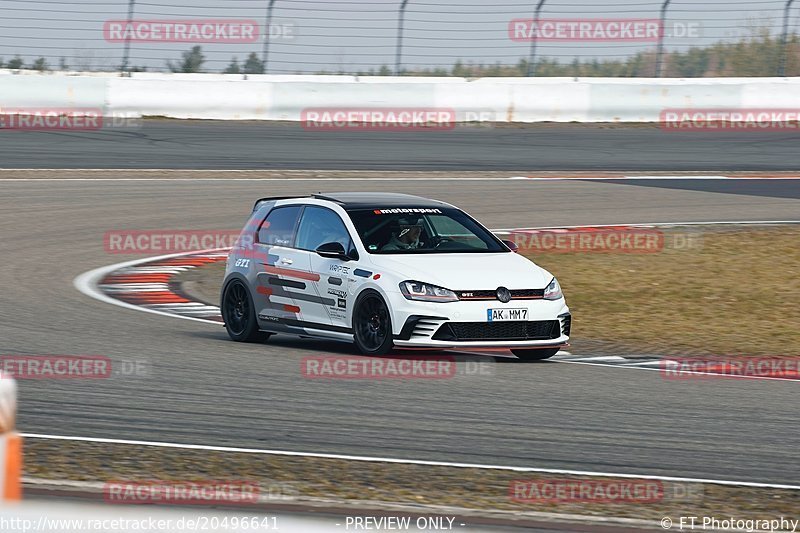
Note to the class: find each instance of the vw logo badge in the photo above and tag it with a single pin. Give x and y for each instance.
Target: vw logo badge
(503, 294)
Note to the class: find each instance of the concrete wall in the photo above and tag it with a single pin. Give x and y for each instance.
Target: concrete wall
(267, 97)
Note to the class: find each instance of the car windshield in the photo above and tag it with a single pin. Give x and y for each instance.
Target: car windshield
(410, 230)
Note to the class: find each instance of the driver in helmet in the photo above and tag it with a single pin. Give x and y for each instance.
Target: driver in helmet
(407, 238)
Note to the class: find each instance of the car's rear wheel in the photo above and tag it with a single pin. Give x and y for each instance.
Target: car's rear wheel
(372, 325)
(239, 314)
(535, 355)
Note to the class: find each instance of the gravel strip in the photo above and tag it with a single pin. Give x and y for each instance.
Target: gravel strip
(303, 479)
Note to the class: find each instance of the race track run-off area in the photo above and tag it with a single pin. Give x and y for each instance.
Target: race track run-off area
(555, 415)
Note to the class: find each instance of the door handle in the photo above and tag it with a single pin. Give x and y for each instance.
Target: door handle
(286, 261)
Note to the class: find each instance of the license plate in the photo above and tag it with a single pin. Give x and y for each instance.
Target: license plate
(503, 315)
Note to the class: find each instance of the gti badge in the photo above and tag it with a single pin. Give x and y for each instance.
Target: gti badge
(503, 294)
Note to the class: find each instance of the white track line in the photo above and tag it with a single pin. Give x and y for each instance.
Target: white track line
(683, 373)
(362, 458)
(598, 358)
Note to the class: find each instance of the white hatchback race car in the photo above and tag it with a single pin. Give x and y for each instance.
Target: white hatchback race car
(385, 270)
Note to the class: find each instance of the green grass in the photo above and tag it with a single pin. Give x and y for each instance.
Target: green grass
(737, 294)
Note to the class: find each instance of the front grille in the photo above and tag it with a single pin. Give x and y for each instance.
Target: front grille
(522, 294)
(506, 331)
(516, 294)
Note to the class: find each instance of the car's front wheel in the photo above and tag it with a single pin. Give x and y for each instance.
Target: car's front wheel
(372, 325)
(239, 314)
(535, 355)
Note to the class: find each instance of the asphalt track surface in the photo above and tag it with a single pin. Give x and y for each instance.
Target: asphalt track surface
(256, 145)
(203, 389)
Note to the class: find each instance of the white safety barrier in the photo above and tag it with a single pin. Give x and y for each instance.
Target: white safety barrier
(10, 442)
(285, 97)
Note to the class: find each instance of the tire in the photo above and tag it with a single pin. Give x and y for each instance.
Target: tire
(535, 355)
(372, 324)
(239, 314)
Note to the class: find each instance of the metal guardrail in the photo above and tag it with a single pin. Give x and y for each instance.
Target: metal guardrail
(432, 37)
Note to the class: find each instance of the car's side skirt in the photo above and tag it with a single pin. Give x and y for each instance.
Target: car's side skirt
(304, 327)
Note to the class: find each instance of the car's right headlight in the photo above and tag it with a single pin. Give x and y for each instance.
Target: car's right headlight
(553, 291)
(424, 292)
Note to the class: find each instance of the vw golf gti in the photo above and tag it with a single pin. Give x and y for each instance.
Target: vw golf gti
(387, 270)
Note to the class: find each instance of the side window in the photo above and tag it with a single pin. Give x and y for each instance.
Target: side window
(320, 225)
(278, 228)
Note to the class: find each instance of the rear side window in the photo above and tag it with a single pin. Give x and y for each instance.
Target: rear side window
(278, 227)
(319, 226)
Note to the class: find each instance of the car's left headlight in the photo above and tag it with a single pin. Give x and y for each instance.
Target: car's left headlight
(424, 292)
(553, 291)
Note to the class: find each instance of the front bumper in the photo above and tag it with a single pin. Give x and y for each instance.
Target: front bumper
(464, 324)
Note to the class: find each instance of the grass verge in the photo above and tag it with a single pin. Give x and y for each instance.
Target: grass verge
(734, 292)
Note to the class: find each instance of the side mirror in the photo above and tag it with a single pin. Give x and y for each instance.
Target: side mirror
(512, 246)
(333, 250)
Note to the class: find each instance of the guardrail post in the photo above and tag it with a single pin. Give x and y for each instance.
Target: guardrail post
(10, 442)
(785, 39)
(398, 52)
(265, 51)
(660, 53)
(534, 34)
(127, 50)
